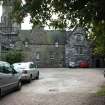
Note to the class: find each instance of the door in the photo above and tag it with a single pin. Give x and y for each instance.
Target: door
(4, 78)
(97, 63)
(1, 76)
(9, 79)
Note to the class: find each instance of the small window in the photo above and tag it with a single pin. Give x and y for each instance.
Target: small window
(79, 49)
(4, 48)
(37, 55)
(51, 54)
(26, 44)
(7, 70)
(32, 66)
(56, 44)
(1, 69)
(79, 37)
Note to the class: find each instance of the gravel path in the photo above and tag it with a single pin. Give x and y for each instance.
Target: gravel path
(59, 87)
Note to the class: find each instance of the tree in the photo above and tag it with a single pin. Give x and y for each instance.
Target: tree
(87, 13)
(13, 56)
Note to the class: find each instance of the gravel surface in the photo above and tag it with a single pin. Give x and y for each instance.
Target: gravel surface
(95, 100)
(59, 86)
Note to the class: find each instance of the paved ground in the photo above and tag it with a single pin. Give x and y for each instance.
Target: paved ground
(60, 86)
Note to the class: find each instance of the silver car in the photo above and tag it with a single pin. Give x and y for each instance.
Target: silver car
(9, 78)
(27, 70)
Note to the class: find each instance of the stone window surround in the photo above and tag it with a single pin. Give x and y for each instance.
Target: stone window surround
(37, 55)
(79, 49)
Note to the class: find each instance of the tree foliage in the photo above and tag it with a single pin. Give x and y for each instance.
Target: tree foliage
(13, 56)
(87, 13)
(41, 10)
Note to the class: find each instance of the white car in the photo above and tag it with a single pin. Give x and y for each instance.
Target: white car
(27, 70)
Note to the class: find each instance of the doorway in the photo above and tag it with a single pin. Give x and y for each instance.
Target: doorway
(97, 63)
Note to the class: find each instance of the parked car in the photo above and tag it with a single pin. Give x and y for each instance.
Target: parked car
(104, 73)
(9, 78)
(72, 64)
(84, 64)
(27, 70)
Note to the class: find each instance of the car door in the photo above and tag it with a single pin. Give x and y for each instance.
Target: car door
(33, 70)
(4, 78)
(1, 76)
(9, 78)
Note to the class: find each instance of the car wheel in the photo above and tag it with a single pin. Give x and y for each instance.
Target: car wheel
(29, 80)
(37, 77)
(19, 85)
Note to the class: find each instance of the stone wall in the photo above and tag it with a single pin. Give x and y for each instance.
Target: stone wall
(77, 47)
(45, 55)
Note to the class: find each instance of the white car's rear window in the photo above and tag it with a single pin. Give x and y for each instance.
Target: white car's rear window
(19, 66)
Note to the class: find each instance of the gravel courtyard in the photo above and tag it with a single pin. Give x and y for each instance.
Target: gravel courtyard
(58, 86)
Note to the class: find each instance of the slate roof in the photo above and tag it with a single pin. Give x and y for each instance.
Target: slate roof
(56, 36)
(43, 36)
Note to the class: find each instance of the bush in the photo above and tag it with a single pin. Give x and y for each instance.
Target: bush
(101, 92)
(13, 57)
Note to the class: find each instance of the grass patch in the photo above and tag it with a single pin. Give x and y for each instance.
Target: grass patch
(101, 92)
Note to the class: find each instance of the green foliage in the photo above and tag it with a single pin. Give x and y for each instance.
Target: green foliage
(13, 57)
(99, 38)
(85, 10)
(101, 92)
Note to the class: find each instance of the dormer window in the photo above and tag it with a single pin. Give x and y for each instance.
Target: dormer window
(26, 44)
(56, 44)
(79, 37)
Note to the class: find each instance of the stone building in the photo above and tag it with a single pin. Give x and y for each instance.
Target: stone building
(47, 48)
(54, 48)
(9, 29)
(77, 48)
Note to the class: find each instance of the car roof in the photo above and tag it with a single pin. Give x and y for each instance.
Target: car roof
(4, 63)
(23, 64)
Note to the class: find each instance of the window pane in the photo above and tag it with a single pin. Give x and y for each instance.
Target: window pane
(37, 55)
(7, 70)
(1, 69)
(32, 66)
(81, 50)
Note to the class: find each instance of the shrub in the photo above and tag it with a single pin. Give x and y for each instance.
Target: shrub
(101, 92)
(13, 56)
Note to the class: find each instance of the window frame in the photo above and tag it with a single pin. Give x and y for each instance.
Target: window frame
(31, 66)
(6, 69)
